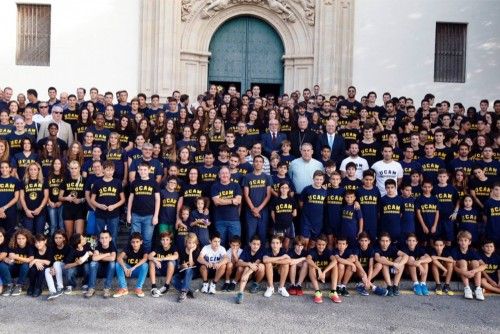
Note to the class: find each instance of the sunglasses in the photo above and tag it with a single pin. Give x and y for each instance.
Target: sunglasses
(57, 112)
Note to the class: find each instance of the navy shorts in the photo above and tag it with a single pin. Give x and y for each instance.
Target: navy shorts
(309, 230)
(288, 232)
(447, 230)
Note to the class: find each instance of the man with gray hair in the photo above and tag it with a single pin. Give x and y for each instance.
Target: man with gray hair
(155, 166)
(302, 169)
(65, 133)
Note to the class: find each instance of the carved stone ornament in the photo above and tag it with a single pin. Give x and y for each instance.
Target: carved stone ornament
(280, 7)
(185, 9)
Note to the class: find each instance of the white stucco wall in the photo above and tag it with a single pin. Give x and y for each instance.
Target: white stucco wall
(93, 43)
(394, 48)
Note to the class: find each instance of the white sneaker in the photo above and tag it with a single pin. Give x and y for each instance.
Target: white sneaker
(269, 292)
(479, 293)
(212, 288)
(468, 293)
(204, 288)
(282, 291)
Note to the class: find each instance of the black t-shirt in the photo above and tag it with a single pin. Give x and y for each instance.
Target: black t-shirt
(33, 194)
(54, 185)
(107, 193)
(293, 254)
(134, 258)
(161, 253)
(60, 254)
(184, 256)
(25, 252)
(144, 196)
(76, 187)
(48, 255)
(283, 212)
(111, 248)
(391, 253)
(321, 260)
(75, 254)
(247, 256)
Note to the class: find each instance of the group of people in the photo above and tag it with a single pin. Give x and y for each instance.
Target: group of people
(237, 186)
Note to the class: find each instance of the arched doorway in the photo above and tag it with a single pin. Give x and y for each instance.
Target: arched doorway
(246, 51)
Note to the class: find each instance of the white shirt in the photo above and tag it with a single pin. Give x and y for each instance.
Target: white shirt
(229, 253)
(361, 165)
(38, 118)
(213, 256)
(385, 171)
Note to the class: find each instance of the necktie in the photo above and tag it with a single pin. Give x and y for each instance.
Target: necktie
(274, 137)
(330, 140)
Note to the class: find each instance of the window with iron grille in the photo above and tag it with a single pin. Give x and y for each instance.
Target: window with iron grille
(33, 35)
(450, 52)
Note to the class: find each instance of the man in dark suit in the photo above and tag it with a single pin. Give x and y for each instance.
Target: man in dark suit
(272, 140)
(302, 135)
(333, 140)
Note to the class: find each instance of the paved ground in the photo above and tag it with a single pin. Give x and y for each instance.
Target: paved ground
(215, 314)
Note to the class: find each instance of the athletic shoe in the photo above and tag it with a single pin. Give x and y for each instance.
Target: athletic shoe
(182, 296)
(16, 290)
(417, 288)
(360, 289)
(447, 290)
(190, 294)
(68, 290)
(239, 297)
(225, 286)
(292, 290)
(204, 287)
(344, 292)
(8, 290)
(334, 296)
(85, 287)
(90, 293)
(120, 293)
(139, 292)
(379, 291)
(255, 287)
(318, 297)
(53, 295)
(395, 290)
(439, 289)
(425, 290)
(232, 286)
(299, 290)
(212, 290)
(282, 291)
(269, 292)
(390, 291)
(155, 292)
(30, 291)
(164, 289)
(468, 293)
(107, 293)
(479, 293)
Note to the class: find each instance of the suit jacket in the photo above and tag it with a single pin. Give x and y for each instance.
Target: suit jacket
(268, 144)
(298, 138)
(65, 132)
(338, 147)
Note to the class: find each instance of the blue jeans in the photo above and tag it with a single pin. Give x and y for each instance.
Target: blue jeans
(35, 225)
(72, 273)
(19, 270)
(91, 223)
(101, 269)
(55, 218)
(140, 273)
(182, 280)
(110, 224)
(257, 225)
(227, 229)
(143, 225)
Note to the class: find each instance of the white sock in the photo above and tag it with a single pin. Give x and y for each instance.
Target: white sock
(415, 283)
(423, 283)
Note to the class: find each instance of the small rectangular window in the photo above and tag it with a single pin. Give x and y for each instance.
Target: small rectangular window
(450, 52)
(33, 35)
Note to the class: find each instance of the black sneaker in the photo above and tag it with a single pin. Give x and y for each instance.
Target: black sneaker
(30, 291)
(344, 292)
(190, 294)
(36, 293)
(338, 290)
(232, 286)
(395, 290)
(390, 292)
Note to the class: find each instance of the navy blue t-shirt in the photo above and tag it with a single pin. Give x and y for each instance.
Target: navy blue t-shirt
(8, 187)
(469, 255)
(321, 260)
(144, 196)
(447, 197)
(208, 176)
(283, 212)
(369, 201)
(408, 215)
(492, 213)
(168, 206)
(247, 256)
(390, 216)
(155, 167)
(364, 256)
(314, 201)
(408, 167)
(430, 167)
(257, 185)
(492, 265)
(228, 191)
(428, 207)
(190, 192)
(416, 253)
(468, 220)
(334, 203)
(391, 253)
(456, 164)
(350, 222)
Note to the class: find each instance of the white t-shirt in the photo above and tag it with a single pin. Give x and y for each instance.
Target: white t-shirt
(385, 171)
(212, 256)
(361, 165)
(229, 254)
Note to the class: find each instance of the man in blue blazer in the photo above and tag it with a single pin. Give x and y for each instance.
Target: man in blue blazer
(333, 140)
(272, 140)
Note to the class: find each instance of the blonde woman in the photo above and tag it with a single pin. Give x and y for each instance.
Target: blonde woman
(34, 197)
(118, 156)
(72, 195)
(4, 150)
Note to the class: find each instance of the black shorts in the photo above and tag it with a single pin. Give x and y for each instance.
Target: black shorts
(73, 211)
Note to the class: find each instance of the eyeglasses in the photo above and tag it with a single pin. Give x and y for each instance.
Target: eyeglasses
(43, 107)
(57, 112)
